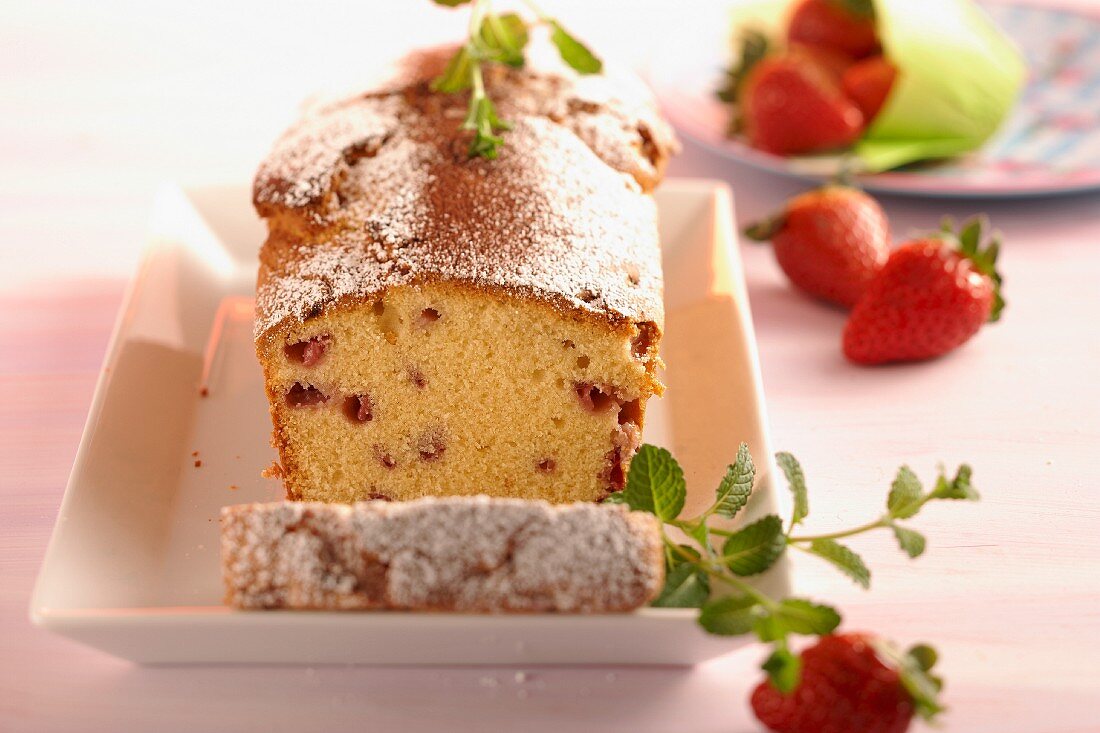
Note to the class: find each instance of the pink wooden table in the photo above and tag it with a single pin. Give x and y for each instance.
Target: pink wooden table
(112, 98)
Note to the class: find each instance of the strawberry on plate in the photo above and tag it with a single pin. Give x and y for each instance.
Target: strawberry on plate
(847, 26)
(852, 683)
(791, 105)
(868, 84)
(932, 295)
(830, 242)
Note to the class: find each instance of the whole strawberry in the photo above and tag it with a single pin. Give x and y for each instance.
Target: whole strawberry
(790, 104)
(868, 84)
(852, 683)
(932, 295)
(847, 26)
(830, 242)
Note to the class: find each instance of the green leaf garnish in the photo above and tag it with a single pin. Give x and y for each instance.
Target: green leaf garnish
(728, 616)
(843, 559)
(736, 486)
(686, 586)
(503, 38)
(733, 606)
(796, 480)
(482, 119)
(573, 52)
(904, 500)
(755, 548)
(799, 616)
(910, 541)
(957, 488)
(499, 39)
(655, 483)
(456, 77)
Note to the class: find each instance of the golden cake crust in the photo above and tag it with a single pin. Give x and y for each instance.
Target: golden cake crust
(471, 554)
(377, 190)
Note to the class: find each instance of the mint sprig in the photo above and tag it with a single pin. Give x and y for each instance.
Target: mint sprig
(502, 39)
(732, 606)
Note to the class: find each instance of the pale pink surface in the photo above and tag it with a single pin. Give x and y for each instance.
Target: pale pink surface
(114, 98)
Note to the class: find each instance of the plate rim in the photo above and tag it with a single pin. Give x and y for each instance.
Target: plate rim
(74, 623)
(892, 182)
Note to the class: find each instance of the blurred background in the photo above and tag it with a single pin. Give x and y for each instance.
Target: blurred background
(101, 103)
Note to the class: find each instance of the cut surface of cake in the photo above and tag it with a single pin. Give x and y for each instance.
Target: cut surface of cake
(466, 554)
(435, 324)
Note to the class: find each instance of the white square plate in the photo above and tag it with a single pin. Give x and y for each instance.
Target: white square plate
(132, 567)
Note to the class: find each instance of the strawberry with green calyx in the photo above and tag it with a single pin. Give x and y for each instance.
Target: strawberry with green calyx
(868, 83)
(931, 297)
(792, 105)
(707, 567)
(830, 242)
(846, 26)
(852, 683)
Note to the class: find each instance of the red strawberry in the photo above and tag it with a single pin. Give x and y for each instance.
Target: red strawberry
(852, 683)
(830, 242)
(847, 26)
(868, 84)
(932, 295)
(790, 105)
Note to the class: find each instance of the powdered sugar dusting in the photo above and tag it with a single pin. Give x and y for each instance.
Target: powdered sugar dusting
(309, 154)
(378, 190)
(472, 554)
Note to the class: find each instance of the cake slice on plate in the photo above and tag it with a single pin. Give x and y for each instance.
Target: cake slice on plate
(465, 554)
(435, 324)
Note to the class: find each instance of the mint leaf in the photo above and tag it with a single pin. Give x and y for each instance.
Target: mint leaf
(769, 627)
(685, 587)
(796, 480)
(844, 559)
(698, 532)
(958, 488)
(482, 119)
(615, 498)
(905, 494)
(728, 616)
(573, 52)
(677, 560)
(784, 669)
(655, 483)
(503, 37)
(911, 541)
(457, 75)
(800, 616)
(755, 548)
(736, 486)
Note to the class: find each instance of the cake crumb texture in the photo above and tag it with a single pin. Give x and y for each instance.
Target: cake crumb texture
(435, 324)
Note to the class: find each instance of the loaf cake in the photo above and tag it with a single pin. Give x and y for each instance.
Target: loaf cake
(466, 554)
(435, 324)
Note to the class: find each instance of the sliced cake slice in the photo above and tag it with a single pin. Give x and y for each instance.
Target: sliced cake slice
(467, 554)
(435, 324)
